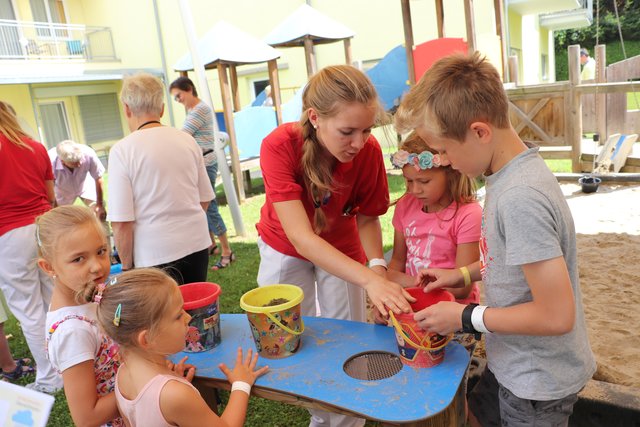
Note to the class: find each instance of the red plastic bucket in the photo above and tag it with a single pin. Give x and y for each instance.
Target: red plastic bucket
(419, 348)
(201, 302)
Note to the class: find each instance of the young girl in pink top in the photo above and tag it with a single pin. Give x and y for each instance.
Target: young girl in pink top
(142, 311)
(437, 222)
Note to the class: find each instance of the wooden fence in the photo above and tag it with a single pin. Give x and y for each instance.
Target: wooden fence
(557, 115)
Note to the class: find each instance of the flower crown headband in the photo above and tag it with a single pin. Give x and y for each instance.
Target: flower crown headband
(423, 161)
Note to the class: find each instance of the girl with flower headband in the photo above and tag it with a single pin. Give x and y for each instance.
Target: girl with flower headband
(143, 312)
(437, 221)
(74, 252)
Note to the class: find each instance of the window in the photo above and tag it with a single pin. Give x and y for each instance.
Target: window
(100, 117)
(544, 64)
(49, 11)
(258, 86)
(54, 123)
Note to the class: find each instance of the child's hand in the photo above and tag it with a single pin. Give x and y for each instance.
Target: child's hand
(442, 318)
(379, 318)
(245, 370)
(185, 370)
(436, 278)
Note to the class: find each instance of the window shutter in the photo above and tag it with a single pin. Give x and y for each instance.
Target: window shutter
(100, 117)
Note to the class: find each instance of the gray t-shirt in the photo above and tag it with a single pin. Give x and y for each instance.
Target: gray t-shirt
(526, 220)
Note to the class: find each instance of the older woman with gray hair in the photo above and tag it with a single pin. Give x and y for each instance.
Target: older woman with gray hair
(158, 189)
(78, 173)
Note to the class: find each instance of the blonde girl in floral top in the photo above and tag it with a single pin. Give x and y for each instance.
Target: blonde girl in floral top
(74, 251)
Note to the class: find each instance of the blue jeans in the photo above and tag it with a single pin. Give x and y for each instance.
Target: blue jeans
(214, 220)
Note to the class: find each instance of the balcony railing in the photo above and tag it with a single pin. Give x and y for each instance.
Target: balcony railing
(44, 40)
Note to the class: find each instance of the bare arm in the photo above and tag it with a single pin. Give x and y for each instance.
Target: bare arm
(466, 253)
(551, 312)
(51, 195)
(101, 213)
(123, 236)
(397, 266)
(320, 252)
(86, 407)
(205, 205)
(371, 239)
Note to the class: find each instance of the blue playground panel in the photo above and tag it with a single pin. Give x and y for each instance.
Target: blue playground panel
(316, 370)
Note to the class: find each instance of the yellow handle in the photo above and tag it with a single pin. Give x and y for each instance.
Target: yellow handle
(291, 331)
(399, 330)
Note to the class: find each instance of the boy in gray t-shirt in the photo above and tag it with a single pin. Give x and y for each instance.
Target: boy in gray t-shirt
(538, 352)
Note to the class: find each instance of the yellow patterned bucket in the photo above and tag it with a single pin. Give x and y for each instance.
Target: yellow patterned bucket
(274, 317)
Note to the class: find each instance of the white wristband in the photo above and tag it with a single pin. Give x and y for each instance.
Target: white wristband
(242, 386)
(378, 261)
(477, 319)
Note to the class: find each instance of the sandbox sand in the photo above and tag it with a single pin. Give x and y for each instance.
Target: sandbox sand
(608, 235)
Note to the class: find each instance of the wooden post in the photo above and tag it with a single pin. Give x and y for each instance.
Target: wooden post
(275, 89)
(498, 6)
(574, 118)
(233, 77)
(309, 56)
(225, 90)
(471, 25)
(440, 18)
(183, 74)
(408, 40)
(601, 98)
(513, 69)
(348, 57)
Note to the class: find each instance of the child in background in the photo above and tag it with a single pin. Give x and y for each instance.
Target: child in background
(437, 221)
(74, 251)
(537, 347)
(142, 311)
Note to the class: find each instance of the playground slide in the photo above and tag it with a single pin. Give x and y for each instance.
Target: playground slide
(389, 76)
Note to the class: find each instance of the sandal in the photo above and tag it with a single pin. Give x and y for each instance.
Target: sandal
(22, 369)
(213, 250)
(224, 261)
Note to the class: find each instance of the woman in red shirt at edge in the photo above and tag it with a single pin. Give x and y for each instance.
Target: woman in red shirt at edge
(326, 185)
(26, 191)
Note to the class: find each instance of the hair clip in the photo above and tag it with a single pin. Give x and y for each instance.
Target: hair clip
(38, 236)
(423, 161)
(325, 200)
(98, 296)
(117, 315)
(113, 280)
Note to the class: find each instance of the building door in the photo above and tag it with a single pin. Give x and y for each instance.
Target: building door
(9, 35)
(55, 126)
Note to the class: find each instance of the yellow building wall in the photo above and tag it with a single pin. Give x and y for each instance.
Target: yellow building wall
(19, 98)
(377, 23)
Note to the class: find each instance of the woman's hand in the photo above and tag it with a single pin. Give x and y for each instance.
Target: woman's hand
(436, 278)
(385, 294)
(245, 370)
(442, 318)
(181, 369)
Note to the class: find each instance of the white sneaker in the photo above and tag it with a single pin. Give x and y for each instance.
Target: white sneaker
(42, 388)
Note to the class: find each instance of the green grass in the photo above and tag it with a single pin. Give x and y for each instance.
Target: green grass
(559, 165)
(235, 281)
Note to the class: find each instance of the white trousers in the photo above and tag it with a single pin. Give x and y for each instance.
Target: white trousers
(335, 298)
(28, 292)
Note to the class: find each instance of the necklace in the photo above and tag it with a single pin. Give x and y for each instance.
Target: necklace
(147, 123)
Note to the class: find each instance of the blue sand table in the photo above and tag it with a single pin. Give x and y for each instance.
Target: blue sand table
(315, 372)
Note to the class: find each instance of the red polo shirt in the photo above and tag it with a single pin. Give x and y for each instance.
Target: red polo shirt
(23, 193)
(360, 184)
